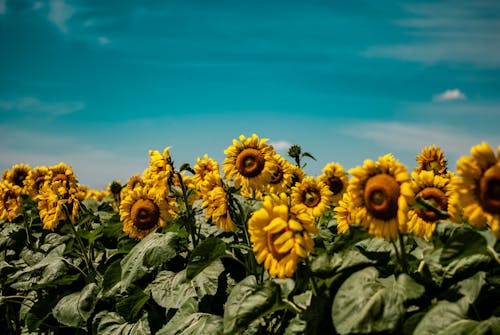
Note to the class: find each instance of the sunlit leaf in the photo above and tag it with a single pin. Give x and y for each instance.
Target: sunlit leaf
(111, 323)
(153, 251)
(74, 309)
(204, 254)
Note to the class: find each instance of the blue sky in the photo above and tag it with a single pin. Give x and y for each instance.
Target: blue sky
(97, 84)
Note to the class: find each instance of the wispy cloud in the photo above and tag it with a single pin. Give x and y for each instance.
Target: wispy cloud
(103, 40)
(33, 105)
(38, 5)
(449, 95)
(280, 145)
(3, 7)
(411, 137)
(458, 32)
(59, 14)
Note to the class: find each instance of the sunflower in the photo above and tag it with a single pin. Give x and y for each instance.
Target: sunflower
(215, 202)
(380, 193)
(432, 159)
(17, 176)
(57, 202)
(433, 189)
(297, 175)
(476, 189)
(248, 162)
(204, 166)
(35, 180)
(142, 212)
(312, 195)
(159, 174)
(280, 235)
(282, 175)
(343, 213)
(133, 183)
(64, 174)
(335, 177)
(11, 202)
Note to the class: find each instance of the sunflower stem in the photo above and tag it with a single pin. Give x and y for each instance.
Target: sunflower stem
(88, 262)
(251, 262)
(404, 261)
(191, 221)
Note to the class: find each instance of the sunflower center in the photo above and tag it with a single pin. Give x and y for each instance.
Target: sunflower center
(489, 190)
(277, 176)
(19, 177)
(60, 177)
(381, 196)
(39, 182)
(144, 214)
(311, 198)
(274, 247)
(250, 162)
(335, 184)
(434, 197)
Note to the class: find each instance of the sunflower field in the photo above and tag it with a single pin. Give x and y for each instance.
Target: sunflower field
(254, 245)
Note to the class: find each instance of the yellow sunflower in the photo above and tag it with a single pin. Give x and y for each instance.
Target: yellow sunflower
(476, 189)
(133, 183)
(343, 213)
(17, 176)
(160, 172)
(280, 235)
(433, 189)
(248, 162)
(35, 180)
(57, 202)
(11, 202)
(64, 174)
(380, 192)
(215, 202)
(432, 159)
(142, 212)
(282, 175)
(204, 166)
(297, 175)
(335, 177)
(312, 195)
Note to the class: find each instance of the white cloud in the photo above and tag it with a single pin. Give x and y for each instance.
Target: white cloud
(448, 95)
(3, 7)
(103, 40)
(280, 145)
(34, 106)
(59, 14)
(38, 5)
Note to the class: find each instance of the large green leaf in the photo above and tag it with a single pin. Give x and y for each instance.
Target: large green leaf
(188, 321)
(111, 323)
(75, 309)
(204, 254)
(463, 243)
(326, 265)
(248, 302)
(172, 290)
(153, 251)
(366, 303)
(131, 305)
(448, 317)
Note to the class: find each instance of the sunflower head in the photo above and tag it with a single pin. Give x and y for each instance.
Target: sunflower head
(432, 159)
(115, 187)
(312, 195)
(475, 192)
(335, 177)
(17, 176)
(280, 235)
(10, 201)
(380, 194)
(248, 161)
(282, 174)
(202, 168)
(141, 213)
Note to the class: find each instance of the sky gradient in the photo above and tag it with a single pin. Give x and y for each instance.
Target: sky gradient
(97, 84)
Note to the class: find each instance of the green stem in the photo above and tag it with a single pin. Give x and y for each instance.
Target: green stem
(27, 228)
(191, 222)
(88, 262)
(404, 261)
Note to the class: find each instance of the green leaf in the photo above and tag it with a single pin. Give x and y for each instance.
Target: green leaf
(75, 309)
(463, 243)
(248, 302)
(112, 275)
(153, 251)
(111, 323)
(131, 305)
(366, 303)
(205, 253)
(446, 317)
(172, 290)
(326, 265)
(188, 321)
